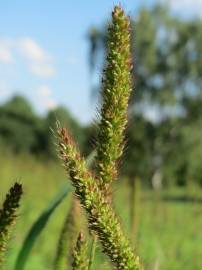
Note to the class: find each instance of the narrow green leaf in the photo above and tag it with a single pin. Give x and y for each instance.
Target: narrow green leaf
(37, 228)
(92, 252)
(91, 158)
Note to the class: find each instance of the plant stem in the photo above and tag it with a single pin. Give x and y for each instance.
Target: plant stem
(92, 251)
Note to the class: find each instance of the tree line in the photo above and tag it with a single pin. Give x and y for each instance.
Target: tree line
(171, 148)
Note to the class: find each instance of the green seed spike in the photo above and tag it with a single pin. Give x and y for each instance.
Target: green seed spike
(80, 261)
(116, 89)
(8, 217)
(101, 218)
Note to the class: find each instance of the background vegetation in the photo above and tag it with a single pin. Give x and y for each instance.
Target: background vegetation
(163, 153)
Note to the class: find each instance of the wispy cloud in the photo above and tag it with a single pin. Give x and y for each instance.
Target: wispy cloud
(44, 91)
(42, 70)
(46, 98)
(5, 55)
(50, 104)
(38, 60)
(5, 51)
(32, 50)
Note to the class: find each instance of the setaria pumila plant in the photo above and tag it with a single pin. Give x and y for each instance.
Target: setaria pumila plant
(93, 189)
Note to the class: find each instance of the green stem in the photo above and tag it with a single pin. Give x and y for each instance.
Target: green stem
(68, 234)
(132, 206)
(92, 252)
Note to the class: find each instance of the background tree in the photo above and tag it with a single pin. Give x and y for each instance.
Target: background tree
(19, 126)
(66, 119)
(167, 78)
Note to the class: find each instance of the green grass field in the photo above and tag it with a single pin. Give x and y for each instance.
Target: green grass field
(168, 225)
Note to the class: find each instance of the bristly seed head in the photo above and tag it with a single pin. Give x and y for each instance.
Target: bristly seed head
(116, 89)
(101, 218)
(93, 193)
(80, 261)
(8, 216)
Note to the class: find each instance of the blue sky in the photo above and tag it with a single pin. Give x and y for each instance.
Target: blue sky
(44, 49)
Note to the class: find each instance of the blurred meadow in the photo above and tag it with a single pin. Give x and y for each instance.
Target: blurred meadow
(158, 195)
(167, 230)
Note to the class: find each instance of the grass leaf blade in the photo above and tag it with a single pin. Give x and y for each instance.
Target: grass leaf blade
(38, 227)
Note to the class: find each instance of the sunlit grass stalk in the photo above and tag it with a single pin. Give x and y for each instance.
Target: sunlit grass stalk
(134, 189)
(68, 235)
(80, 259)
(116, 89)
(8, 217)
(92, 251)
(101, 217)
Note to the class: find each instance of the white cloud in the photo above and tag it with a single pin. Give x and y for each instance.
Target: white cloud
(42, 70)
(44, 91)
(5, 51)
(32, 50)
(46, 98)
(50, 104)
(186, 6)
(37, 59)
(5, 55)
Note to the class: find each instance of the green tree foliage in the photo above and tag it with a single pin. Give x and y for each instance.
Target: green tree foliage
(23, 131)
(19, 126)
(140, 136)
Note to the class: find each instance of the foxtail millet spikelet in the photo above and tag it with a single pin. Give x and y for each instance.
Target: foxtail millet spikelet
(8, 217)
(101, 217)
(116, 89)
(80, 261)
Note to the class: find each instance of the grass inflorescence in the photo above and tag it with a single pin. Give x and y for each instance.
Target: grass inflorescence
(80, 259)
(116, 89)
(8, 216)
(93, 190)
